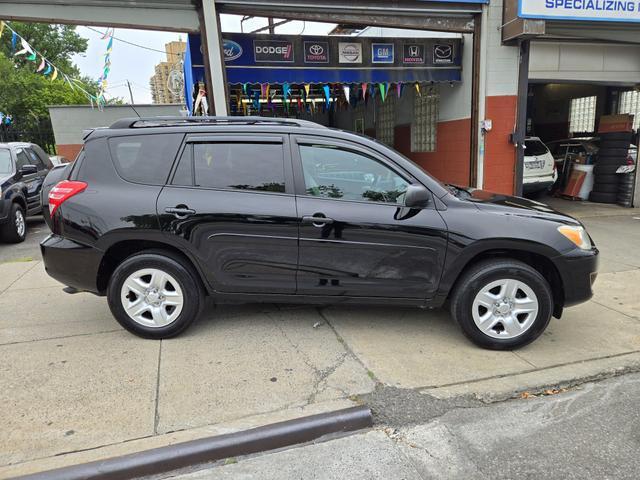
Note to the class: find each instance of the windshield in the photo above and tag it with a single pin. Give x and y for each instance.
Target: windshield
(534, 147)
(5, 161)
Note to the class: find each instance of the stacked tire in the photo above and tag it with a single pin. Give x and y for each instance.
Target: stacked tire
(613, 152)
(625, 189)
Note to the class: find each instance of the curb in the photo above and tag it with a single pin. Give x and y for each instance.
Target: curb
(209, 449)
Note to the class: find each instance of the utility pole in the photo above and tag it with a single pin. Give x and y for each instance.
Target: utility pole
(130, 92)
(272, 28)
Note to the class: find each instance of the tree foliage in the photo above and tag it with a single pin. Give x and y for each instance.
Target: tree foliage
(26, 94)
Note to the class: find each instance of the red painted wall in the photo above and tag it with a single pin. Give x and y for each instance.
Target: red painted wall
(500, 154)
(69, 150)
(450, 162)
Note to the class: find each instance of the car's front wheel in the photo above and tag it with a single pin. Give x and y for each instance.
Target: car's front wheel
(15, 229)
(502, 304)
(155, 295)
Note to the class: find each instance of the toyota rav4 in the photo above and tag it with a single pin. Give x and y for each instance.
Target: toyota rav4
(160, 213)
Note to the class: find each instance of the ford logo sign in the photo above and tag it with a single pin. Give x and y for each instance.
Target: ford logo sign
(232, 50)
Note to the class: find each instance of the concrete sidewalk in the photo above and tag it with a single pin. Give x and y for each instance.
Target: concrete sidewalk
(76, 387)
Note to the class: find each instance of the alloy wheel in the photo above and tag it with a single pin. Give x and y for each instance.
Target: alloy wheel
(151, 297)
(20, 223)
(505, 308)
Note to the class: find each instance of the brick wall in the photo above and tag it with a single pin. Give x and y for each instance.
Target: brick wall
(450, 162)
(69, 150)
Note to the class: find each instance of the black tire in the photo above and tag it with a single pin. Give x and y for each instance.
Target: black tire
(606, 144)
(482, 274)
(10, 232)
(626, 136)
(610, 178)
(600, 197)
(182, 273)
(605, 187)
(605, 169)
(614, 152)
(625, 189)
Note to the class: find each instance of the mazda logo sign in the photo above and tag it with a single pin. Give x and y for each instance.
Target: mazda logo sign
(442, 51)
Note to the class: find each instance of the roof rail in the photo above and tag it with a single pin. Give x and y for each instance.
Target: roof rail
(149, 122)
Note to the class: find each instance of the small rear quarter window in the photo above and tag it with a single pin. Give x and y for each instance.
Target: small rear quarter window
(145, 158)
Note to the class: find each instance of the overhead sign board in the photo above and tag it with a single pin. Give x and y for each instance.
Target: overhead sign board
(581, 10)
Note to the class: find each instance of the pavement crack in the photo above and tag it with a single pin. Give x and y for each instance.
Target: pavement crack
(156, 419)
(20, 277)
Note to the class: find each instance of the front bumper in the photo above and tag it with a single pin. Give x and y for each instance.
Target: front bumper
(71, 263)
(578, 270)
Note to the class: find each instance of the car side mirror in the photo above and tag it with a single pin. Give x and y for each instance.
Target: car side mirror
(416, 196)
(28, 169)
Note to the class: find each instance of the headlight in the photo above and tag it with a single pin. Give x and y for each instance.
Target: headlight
(577, 235)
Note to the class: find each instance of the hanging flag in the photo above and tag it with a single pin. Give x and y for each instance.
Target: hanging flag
(327, 94)
(347, 91)
(256, 100)
(365, 88)
(107, 33)
(307, 88)
(399, 87)
(286, 90)
(417, 85)
(1, 27)
(14, 40)
(48, 70)
(244, 88)
(42, 65)
(264, 90)
(25, 48)
(381, 87)
(55, 74)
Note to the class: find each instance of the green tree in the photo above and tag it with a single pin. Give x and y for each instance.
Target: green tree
(26, 94)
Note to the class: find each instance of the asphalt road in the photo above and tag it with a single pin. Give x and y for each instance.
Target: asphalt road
(37, 230)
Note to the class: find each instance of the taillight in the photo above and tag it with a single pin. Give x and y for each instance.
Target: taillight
(63, 191)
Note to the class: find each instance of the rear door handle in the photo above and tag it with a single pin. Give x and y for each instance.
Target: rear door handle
(180, 212)
(316, 221)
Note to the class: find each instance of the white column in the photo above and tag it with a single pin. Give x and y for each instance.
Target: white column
(482, 94)
(214, 53)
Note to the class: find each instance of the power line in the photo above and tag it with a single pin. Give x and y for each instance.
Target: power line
(134, 44)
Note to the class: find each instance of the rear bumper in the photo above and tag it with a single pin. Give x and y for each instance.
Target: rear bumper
(536, 186)
(578, 270)
(71, 263)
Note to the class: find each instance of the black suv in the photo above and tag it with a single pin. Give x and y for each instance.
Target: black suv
(159, 213)
(23, 167)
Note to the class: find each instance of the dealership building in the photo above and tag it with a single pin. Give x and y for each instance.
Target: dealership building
(454, 85)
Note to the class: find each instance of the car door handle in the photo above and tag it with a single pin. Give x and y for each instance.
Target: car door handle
(180, 212)
(317, 220)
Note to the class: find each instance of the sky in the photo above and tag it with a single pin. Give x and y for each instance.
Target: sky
(137, 64)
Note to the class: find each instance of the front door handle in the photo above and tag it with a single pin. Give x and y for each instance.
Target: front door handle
(180, 211)
(316, 220)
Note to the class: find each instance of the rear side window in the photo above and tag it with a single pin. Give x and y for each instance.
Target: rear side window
(535, 147)
(241, 166)
(145, 158)
(22, 159)
(35, 160)
(5, 161)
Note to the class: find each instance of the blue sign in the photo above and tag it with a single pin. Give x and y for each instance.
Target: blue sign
(232, 50)
(382, 53)
(627, 11)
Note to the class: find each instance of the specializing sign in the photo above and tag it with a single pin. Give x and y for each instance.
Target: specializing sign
(590, 10)
(442, 53)
(349, 52)
(273, 51)
(316, 52)
(413, 54)
(382, 53)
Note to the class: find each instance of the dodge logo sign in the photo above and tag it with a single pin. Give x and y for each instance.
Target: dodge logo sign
(413, 54)
(349, 52)
(442, 54)
(232, 50)
(275, 51)
(316, 52)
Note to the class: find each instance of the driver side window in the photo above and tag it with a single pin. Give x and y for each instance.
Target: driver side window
(335, 172)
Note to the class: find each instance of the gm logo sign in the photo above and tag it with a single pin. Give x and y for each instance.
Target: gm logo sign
(382, 53)
(232, 50)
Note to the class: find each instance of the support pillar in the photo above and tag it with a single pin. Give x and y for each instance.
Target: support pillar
(215, 75)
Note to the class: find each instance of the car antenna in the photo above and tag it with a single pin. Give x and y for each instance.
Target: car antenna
(134, 109)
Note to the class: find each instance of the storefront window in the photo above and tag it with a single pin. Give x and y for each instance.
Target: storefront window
(630, 103)
(425, 122)
(386, 120)
(582, 117)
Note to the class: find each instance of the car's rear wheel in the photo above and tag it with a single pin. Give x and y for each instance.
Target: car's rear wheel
(155, 295)
(502, 304)
(15, 229)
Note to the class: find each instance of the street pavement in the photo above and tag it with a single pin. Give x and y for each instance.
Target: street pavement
(76, 387)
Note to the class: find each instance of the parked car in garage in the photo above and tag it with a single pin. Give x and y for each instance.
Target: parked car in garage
(540, 171)
(159, 213)
(23, 168)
